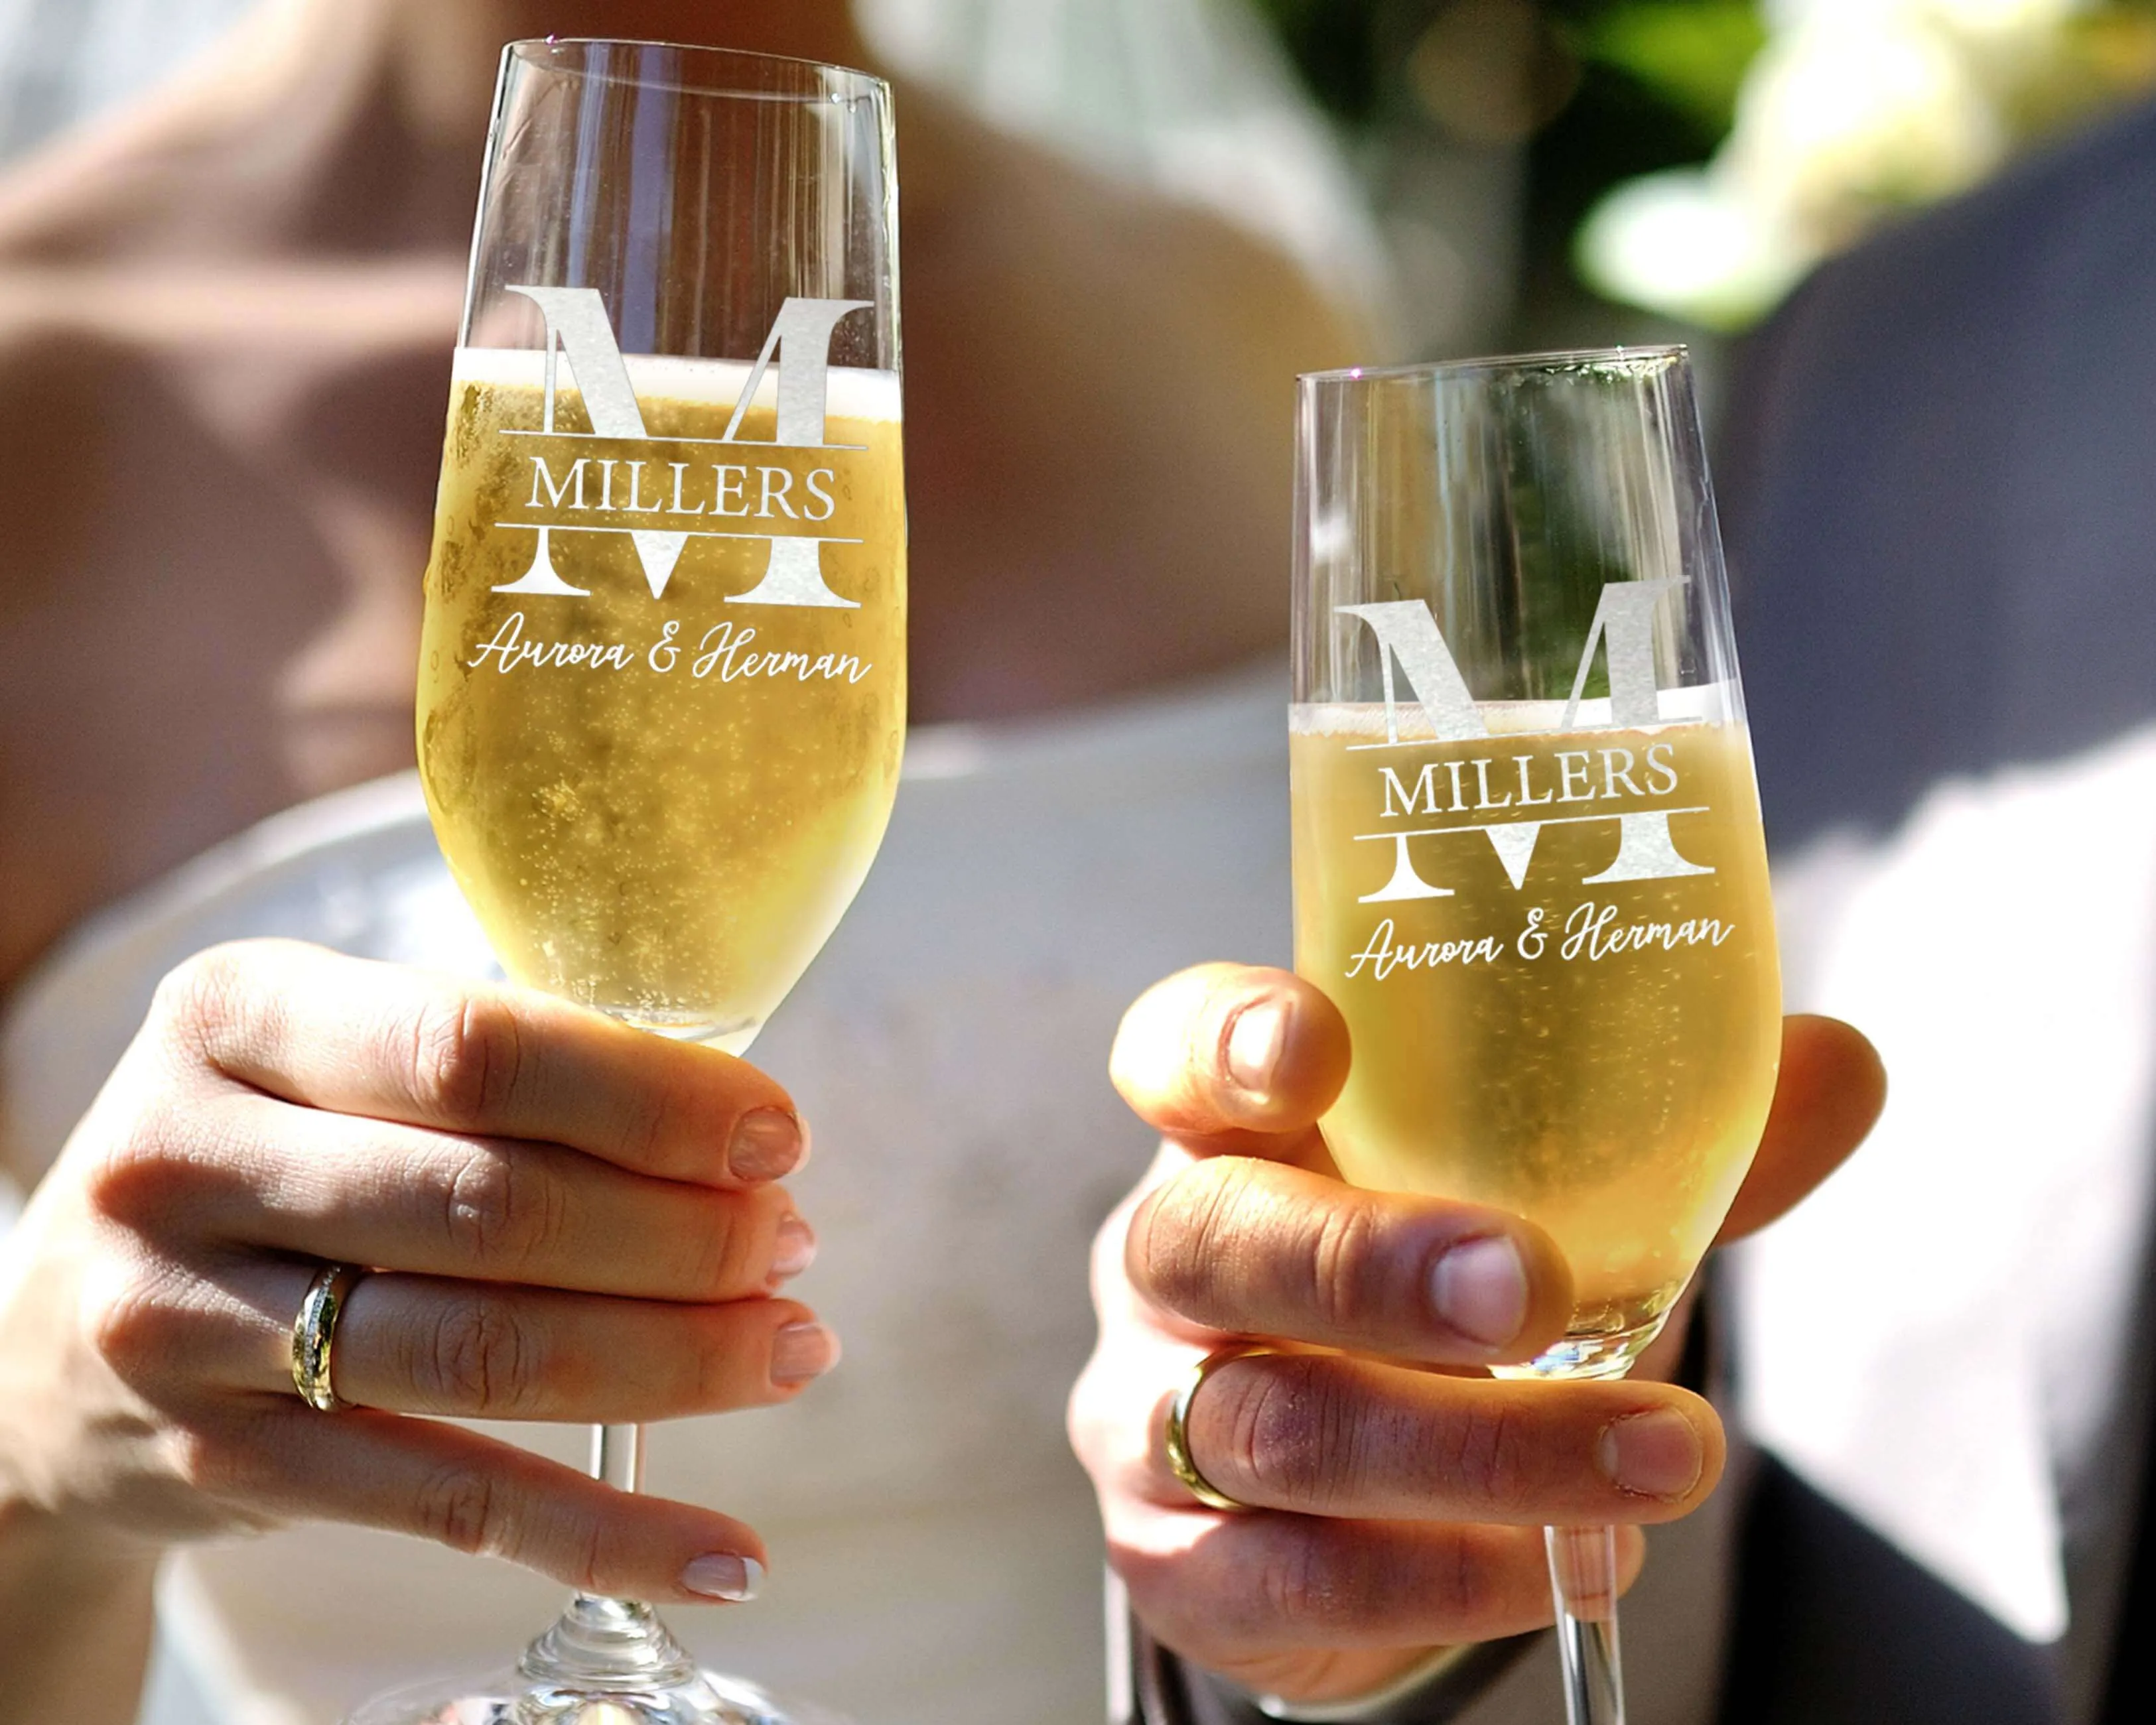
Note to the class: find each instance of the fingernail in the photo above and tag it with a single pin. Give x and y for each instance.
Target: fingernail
(768, 1144)
(1480, 1288)
(1654, 1455)
(1256, 1042)
(795, 1248)
(724, 1576)
(803, 1351)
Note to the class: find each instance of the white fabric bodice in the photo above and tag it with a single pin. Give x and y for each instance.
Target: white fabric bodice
(1938, 1337)
(1934, 1338)
(935, 1553)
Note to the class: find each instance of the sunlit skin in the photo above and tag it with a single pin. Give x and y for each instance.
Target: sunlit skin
(564, 1226)
(157, 701)
(1243, 1229)
(225, 348)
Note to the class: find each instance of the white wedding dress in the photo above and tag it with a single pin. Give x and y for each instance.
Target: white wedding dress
(1933, 1339)
(935, 1555)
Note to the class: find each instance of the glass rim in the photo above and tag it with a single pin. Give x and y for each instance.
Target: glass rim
(1563, 358)
(544, 53)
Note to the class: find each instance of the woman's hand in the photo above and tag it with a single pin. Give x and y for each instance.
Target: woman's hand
(1401, 1490)
(563, 1219)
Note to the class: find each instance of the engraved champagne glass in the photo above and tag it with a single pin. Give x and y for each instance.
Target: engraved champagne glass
(1528, 860)
(662, 681)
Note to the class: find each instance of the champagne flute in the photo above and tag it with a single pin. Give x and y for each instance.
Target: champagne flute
(1528, 860)
(662, 681)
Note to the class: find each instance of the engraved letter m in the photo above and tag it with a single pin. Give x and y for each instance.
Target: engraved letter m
(1408, 636)
(578, 329)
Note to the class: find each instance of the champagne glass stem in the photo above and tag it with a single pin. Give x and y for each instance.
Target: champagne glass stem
(601, 1642)
(1582, 1564)
(617, 1456)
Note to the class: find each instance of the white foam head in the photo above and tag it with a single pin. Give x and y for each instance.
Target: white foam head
(855, 393)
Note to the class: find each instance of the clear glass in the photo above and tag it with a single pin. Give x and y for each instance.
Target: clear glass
(1528, 860)
(662, 681)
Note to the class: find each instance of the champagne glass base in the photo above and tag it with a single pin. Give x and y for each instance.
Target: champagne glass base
(510, 1698)
(731, 1036)
(1596, 1353)
(604, 1662)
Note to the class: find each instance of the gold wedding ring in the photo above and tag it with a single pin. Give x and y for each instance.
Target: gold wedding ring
(1177, 1426)
(314, 1335)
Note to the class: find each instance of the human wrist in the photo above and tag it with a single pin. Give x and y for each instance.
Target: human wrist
(72, 1557)
(75, 1615)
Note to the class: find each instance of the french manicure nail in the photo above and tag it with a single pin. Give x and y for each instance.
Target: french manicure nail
(1654, 1455)
(803, 1351)
(1256, 1040)
(724, 1576)
(1480, 1288)
(795, 1248)
(768, 1144)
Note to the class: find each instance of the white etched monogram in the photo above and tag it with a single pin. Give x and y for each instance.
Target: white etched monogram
(1622, 630)
(618, 471)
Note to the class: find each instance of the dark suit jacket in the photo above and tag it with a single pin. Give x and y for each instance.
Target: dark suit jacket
(1939, 489)
(1939, 482)
(1938, 485)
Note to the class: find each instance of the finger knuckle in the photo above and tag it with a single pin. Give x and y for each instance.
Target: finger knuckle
(135, 1323)
(498, 1212)
(719, 1241)
(1088, 1412)
(139, 1169)
(465, 1055)
(201, 1001)
(650, 1115)
(593, 1560)
(707, 1374)
(140, 1174)
(468, 1509)
(1339, 1265)
(1181, 1240)
(1105, 1257)
(1288, 1433)
(204, 1461)
(1163, 1603)
(1177, 1594)
(1486, 1456)
(1471, 1582)
(222, 1456)
(1330, 1581)
(482, 1358)
(1303, 1586)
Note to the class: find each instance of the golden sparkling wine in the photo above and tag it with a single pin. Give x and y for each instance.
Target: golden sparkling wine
(659, 803)
(1595, 1055)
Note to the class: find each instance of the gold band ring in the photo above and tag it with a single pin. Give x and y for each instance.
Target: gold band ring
(1177, 1426)
(314, 1335)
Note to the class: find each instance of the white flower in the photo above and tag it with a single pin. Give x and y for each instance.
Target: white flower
(1854, 108)
(1684, 242)
(1853, 111)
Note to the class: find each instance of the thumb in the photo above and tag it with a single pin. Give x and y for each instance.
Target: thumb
(1829, 1095)
(1232, 1059)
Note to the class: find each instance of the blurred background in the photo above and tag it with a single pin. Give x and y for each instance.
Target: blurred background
(1531, 172)
(1479, 175)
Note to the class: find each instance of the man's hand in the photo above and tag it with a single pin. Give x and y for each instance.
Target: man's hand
(1399, 1489)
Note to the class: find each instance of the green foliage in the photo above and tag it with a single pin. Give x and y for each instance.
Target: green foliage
(1334, 45)
(1691, 54)
(1656, 88)
(1694, 53)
